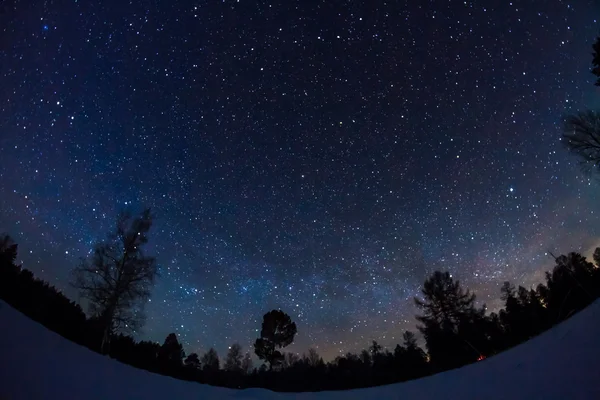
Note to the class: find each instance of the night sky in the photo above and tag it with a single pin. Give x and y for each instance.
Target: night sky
(319, 156)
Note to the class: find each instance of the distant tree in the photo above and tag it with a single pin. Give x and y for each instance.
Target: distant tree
(277, 332)
(171, 354)
(192, 361)
(408, 360)
(596, 60)
(312, 358)
(9, 272)
(375, 349)
(448, 320)
(119, 276)
(247, 365)
(233, 360)
(365, 357)
(8, 250)
(210, 361)
(415, 355)
(573, 284)
(514, 317)
(409, 340)
(147, 355)
(289, 360)
(399, 351)
(507, 291)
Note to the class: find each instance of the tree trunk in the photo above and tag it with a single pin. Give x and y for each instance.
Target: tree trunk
(107, 321)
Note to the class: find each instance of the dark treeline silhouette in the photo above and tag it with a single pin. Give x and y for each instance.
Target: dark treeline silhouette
(456, 331)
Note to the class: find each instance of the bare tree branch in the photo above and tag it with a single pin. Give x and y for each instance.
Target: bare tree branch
(582, 137)
(117, 279)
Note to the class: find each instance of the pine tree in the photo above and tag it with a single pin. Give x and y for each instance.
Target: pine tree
(192, 361)
(277, 332)
(171, 354)
(448, 317)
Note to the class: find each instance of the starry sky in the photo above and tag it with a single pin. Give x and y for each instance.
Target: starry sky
(319, 156)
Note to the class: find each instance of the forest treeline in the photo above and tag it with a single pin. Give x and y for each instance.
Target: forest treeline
(456, 331)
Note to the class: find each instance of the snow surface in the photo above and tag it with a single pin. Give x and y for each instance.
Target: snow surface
(562, 363)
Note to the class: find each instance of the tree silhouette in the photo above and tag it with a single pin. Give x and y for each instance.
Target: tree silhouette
(247, 365)
(414, 354)
(312, 358)
(596, 257)
(290, 360)
(573, 284)
(596, 60)
(210, 361)
(192, 361)
(118, 277)
(447, 321)
(582, 137)
(8, 250)
(171, 354)
(365, 357)
(277, 332)
(233, 360)
(375, 348)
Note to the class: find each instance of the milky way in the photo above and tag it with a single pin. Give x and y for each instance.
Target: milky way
(319, 156)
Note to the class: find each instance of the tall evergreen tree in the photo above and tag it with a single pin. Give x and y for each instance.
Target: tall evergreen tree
(171, 354)
(447, 313)
(573, 284)
(413, 356)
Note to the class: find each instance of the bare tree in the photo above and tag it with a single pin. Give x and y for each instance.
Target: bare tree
(582, 137)
(312, 358)
(233, 360)
(247, 365)
(210, 361)
(289, 360)
(116, 280)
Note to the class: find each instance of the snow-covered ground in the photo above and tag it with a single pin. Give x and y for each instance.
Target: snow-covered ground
(563, 363)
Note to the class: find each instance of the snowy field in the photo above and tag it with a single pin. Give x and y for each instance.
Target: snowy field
(563, 363)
